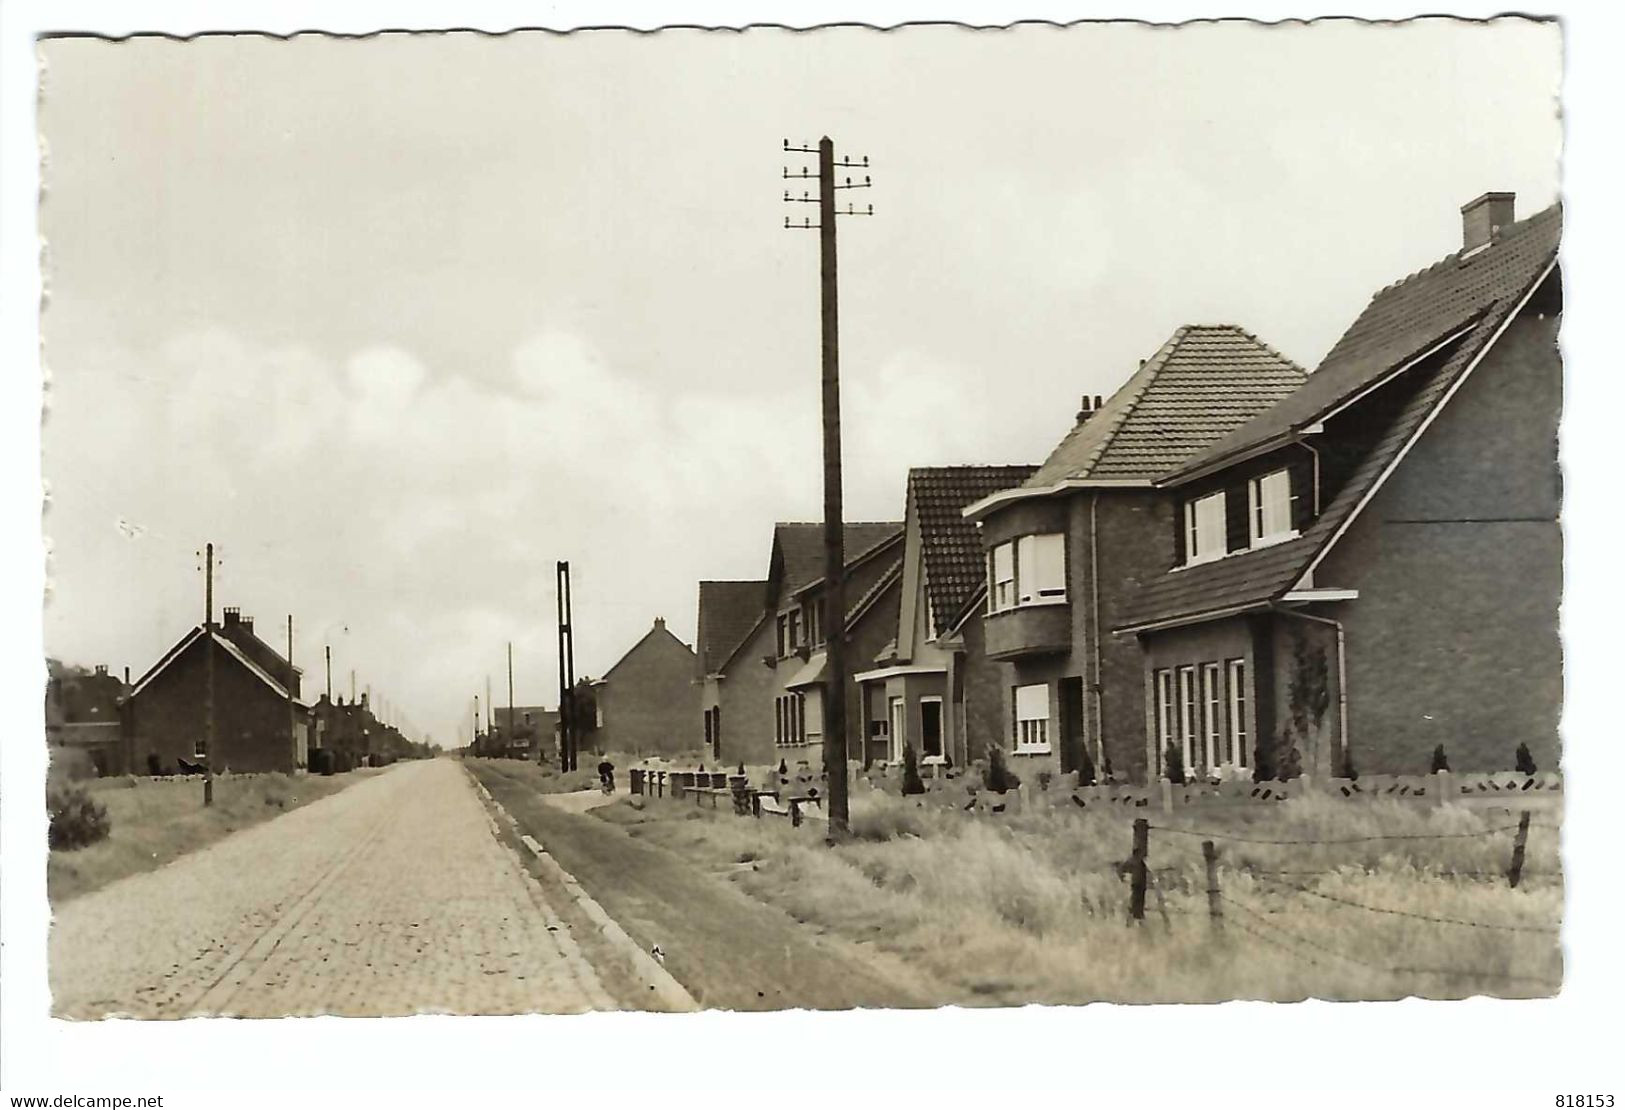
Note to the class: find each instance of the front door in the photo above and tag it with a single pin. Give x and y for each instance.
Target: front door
(931, 728)
(1072, 738)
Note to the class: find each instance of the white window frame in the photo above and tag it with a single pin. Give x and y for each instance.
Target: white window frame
(1237, 675)
(1162, 684)
(897, 716)
(1001, 590)
(1195, 551)
(1041, 569)
(1262, 531)
(1212, 715)
(1186, 707)
(1031, 730)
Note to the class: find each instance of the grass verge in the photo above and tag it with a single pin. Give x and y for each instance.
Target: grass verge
(1033, 908)
(159, 820)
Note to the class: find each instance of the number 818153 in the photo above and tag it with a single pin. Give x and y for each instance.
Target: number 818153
(1584, 1102)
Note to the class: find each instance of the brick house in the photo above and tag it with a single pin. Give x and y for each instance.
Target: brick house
(529, 735)
(1373, 567)
(926, 687)
(1068, 548)
(648, 702)
(252, 683)
(873, 588)
(730, 613)
(85, 712)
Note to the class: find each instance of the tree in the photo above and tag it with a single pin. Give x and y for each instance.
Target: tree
(1525, 762)
(911, 772)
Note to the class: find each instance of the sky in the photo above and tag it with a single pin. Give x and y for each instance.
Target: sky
(398, 322)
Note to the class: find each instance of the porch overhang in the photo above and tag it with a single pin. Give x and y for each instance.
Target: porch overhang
(976, 510)
(810, 674)
(881, 673)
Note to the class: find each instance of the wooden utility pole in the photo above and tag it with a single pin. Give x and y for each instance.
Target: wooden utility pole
(835, 663)
(293, 720)
(328, 649)
(511, 728)
(567, 673)
(208, 675)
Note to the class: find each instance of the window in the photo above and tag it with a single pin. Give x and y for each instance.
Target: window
(1163, 680)
(1204, 528)
(1187, 714)
(1029, 570)
(813, 622)
(1269, 508)
(1001, 591)
(784, 642)
(1032, 718)
(795, 629)
(200, 748)
(811, 718)
(1212, 715)
(1238, 712)
(1040, 568)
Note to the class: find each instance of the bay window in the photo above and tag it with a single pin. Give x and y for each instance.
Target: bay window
(1028, 570)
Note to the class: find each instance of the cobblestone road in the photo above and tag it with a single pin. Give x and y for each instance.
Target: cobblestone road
(391, 897)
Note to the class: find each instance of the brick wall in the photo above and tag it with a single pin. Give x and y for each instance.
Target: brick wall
(649, 701)
(251, 719)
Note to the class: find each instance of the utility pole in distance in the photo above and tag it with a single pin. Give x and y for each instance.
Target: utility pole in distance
(208, 675)
(293, 721)
(510, 729)
(835, 664)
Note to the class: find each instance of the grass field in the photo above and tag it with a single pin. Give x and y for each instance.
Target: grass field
(1032, 908)
(157, 820)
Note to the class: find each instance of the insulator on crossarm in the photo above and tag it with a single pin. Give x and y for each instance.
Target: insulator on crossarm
(787, 144)
(865, 159)
(871, 210)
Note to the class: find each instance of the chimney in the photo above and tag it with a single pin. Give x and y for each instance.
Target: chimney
(660, 623)
(231, 616)
(101, 670)
(1086, 409)
(1483, 219)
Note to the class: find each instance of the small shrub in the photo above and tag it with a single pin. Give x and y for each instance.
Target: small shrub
(1291, 765)
(911, 772)
(77, 819)
(1441, 762)
(998, 777)
(1173, 764)
(1525, 762)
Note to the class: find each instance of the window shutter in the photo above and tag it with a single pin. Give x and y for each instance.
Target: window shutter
(1181, 555)
(1032, 702)
(1049, 565)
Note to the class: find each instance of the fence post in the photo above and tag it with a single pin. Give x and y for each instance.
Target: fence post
(1137, 869)
(1515, 872)
(795, 814)
(1210, 858)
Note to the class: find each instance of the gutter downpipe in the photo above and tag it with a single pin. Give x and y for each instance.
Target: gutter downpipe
(1342, 670)
(1315, 452)
(1094, 613)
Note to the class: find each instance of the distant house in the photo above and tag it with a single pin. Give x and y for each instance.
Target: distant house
(730, 613)
(932, 686)
(84, 711)
(796, 641)
(253, 726)
(528, 735)
(1372, 567)
(1068, 548)
(648, 702)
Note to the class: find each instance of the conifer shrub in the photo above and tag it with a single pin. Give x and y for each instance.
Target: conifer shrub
(1173, 764)
(998, 777)
(77, 819)
(1525, 761)
(1441, 762)
(911, 772)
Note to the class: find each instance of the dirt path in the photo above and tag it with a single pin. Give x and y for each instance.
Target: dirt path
(392, 897)
(729, 950)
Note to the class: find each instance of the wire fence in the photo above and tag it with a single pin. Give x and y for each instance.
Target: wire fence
(1264, 924)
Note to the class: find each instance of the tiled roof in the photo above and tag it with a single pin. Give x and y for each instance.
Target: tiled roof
(949, 543)
(728, 613)
(1402, 321)
(263, 654)
(801, 546)
(1206, 381)
(1484, 290)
